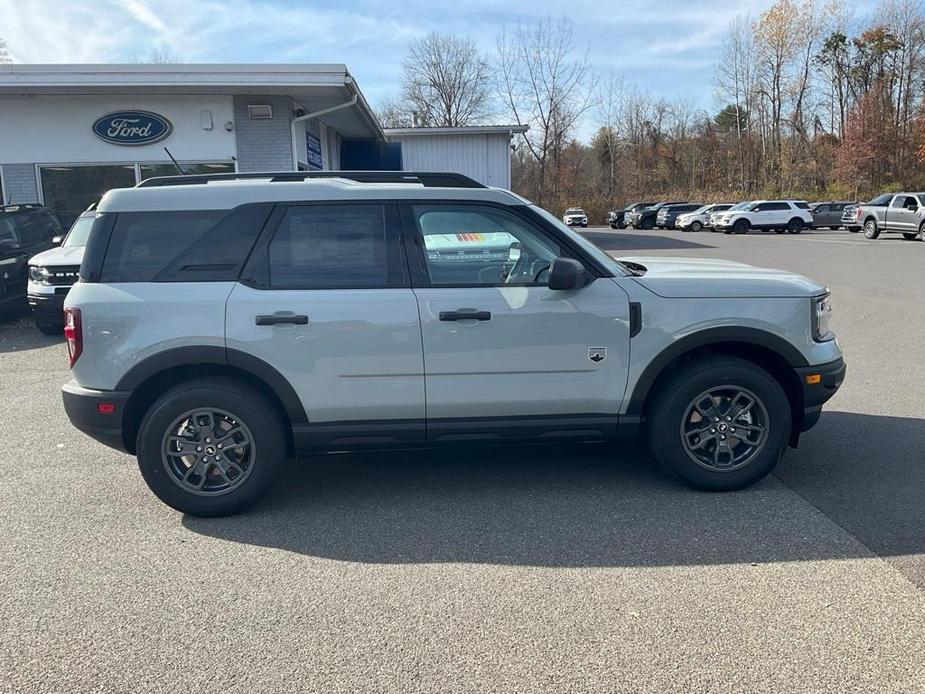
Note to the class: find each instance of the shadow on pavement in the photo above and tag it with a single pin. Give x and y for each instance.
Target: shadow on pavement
(623, 241)
(19, 334)
(582, 506)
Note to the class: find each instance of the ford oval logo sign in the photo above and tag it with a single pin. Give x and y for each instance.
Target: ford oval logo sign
(132, 128)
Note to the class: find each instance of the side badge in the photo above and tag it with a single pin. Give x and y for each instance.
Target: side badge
(597, 354)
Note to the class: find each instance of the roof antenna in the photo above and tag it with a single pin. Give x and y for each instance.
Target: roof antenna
(179, 168)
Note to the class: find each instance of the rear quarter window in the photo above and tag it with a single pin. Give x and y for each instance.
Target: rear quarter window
(187, 246)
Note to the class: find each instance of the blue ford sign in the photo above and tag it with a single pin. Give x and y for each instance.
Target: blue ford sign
(132, 127)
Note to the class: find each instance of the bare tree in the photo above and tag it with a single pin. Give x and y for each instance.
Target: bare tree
(735, 84)
(4, 53)
(159, 56)
(393, 112)
(546, 86)
(609, 104)
(447, 82)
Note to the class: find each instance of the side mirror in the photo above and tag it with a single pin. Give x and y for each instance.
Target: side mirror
(566, 273)
(57, 240)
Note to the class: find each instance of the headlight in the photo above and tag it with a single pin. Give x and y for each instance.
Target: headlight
(38, 274)
(822, 319)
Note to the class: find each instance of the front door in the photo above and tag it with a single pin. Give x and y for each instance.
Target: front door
(498, 343)
(326, 302)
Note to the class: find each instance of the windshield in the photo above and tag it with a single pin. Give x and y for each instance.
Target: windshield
(702, 208)
(586, 245)
(79, 232)
(740, 206)
(574, 210)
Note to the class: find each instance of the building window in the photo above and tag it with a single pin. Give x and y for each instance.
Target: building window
(152, 170)
(69, 190)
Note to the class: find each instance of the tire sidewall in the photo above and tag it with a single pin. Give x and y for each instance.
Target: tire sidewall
(244, 402)
(676, 397)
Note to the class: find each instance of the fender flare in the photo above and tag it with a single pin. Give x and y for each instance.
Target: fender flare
(221, 356)
(703, 338)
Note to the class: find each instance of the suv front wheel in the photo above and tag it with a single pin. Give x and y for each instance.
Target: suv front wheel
(210, 446)
(720, 423)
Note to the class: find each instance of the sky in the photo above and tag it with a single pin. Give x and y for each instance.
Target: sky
(666, 47)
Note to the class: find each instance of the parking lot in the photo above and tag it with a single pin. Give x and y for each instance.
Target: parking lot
(530, 569)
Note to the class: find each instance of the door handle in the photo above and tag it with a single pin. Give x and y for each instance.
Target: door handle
(465, 314)
(281, 317)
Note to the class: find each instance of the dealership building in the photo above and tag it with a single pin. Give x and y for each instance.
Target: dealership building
(68, 133)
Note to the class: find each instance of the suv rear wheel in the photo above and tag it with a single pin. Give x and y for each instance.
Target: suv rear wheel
(719, 424)
(795, 226)
(210, 446)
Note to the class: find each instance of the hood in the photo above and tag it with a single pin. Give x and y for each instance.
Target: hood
(694, 277)
(69, 255)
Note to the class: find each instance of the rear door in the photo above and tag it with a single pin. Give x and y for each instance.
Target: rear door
(499, 345)
(325, 300)
(903, 214)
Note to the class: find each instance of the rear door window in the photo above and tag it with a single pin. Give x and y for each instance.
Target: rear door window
(339, 246)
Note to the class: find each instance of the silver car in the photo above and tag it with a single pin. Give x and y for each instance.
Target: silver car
(225, 323)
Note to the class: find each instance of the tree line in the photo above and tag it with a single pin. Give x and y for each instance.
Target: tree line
(811, 102)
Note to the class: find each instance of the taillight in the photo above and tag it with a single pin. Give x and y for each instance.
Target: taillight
(73, 333)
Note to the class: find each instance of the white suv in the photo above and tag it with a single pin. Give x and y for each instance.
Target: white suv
(223, 323)
(791, 216)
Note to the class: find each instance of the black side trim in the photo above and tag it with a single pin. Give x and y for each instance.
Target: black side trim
(577, 427)
(749, 336)
(415, 433)
(205, 354)
(363, 435)
(635, 318)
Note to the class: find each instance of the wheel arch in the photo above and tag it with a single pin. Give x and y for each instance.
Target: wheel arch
(764, 349)
(154, 376)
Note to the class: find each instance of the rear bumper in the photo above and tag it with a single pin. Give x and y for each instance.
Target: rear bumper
(83, 407)
(815, 395)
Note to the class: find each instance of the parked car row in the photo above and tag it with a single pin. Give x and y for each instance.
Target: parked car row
(890, 213)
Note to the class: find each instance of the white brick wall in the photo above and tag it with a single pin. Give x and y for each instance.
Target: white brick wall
(264, 145)
(19, 183)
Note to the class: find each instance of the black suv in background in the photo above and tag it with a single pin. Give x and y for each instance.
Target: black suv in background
(617, 219)
(667, 216)
(24, 231)
(645, 218)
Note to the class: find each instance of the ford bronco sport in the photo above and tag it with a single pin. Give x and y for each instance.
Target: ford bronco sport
(224, 323)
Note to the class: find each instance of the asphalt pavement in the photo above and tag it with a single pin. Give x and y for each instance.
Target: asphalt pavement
(561, 569)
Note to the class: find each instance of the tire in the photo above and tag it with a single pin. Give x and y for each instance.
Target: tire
(834, 228)
(910, 236)
(673, 410)
(696, 226)
(795, 225)
(233, 404)
(740, 227)
(613, 226)
(49, 326)
(871, 230)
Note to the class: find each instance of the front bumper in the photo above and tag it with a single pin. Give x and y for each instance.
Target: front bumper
(51, 303)
(820, 383)
(88, 411)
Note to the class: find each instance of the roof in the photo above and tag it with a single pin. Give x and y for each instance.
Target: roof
(509, 130)
(226, 194)
(313, 86)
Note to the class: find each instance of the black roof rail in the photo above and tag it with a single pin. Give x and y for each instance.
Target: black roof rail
(427, 179)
